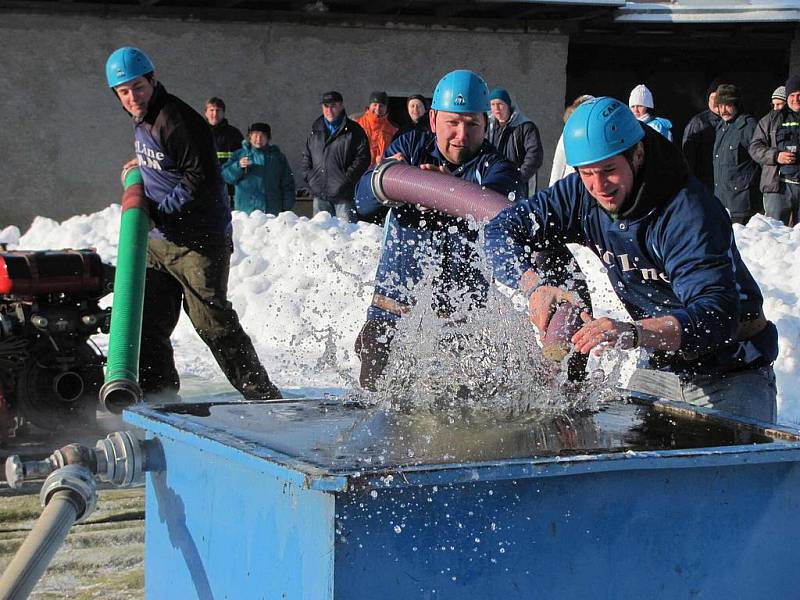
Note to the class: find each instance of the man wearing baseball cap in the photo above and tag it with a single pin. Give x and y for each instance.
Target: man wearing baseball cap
(670, 254)
(335, 156)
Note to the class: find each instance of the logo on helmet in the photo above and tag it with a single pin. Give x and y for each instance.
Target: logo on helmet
(610, 109)
(460, 100)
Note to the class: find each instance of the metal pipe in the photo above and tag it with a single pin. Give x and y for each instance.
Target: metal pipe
(121, 387)
(68, 495)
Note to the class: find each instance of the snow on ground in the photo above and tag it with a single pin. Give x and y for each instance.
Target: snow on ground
(302, 286)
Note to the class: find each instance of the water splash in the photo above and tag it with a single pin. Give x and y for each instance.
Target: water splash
(481, 359)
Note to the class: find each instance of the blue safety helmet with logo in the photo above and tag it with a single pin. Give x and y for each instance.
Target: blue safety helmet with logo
(126, 64)
(461, 91)
(599, 129)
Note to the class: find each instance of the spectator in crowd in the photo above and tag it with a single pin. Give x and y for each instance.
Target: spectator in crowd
(456, 146)
(188, 253)
(335, 156)
(698, 140)
(775, 146)
(736, 174)
(227, 138)
(560, 167)
(261, 174)
(417, 113)
(642, 105)
(516, 137)
(779, 98)
(670, 254)
(375, 123)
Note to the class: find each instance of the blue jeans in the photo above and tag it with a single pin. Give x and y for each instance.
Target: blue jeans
(751, 393)
(345, 209)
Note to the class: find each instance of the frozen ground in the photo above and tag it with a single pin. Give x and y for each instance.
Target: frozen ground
(302, 286)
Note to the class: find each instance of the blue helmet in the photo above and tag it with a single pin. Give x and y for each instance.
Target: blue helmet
(461, 91)
(599, 129)
(126, 64)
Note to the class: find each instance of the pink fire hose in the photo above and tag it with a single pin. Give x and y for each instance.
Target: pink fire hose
(395, 182)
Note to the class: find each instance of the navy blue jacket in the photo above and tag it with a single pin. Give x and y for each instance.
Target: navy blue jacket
(182, 180)
(736, 174)
(671, 251)
(412, 237)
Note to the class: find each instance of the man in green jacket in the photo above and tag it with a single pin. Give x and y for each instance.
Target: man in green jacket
(261, 174)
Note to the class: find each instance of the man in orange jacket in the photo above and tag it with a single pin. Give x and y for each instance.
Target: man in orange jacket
(377, 126)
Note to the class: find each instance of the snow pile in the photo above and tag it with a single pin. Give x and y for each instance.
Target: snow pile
(302, 286)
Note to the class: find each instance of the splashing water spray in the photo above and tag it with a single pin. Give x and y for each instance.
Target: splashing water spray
(483, 358)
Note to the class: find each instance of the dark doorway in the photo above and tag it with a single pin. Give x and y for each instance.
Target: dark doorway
(398, 113)
(678, 66)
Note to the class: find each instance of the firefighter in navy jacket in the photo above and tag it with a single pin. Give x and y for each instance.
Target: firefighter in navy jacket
(671, 257)
(188, 253)
(412, 236)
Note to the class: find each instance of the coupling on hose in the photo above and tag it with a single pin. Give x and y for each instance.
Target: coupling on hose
(119, 394)
(376, 182)
(79, 482)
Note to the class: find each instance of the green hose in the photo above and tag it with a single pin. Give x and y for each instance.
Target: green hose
(121, 387)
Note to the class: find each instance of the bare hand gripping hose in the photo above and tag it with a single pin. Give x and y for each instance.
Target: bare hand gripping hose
(395, 182)
(121, 387)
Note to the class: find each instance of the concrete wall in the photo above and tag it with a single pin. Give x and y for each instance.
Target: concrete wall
(65, 137)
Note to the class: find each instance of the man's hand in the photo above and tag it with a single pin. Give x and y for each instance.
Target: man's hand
(787, 158)
(397, 156)
(440, 168)
(131, 164)
(604, 333)
(543, 302)
(245, 162)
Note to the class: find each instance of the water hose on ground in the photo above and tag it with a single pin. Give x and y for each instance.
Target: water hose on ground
(121, 387)
(69, 495)
(395, 182)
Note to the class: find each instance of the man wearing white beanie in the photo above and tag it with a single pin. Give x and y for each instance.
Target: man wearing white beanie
(642, 105)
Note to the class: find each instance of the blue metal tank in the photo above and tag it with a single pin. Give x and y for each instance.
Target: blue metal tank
(318, 499)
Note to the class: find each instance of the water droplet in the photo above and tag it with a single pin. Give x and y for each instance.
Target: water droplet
(397, 529)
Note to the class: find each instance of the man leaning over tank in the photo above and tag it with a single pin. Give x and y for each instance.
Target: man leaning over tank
(670, 255)
(189, 249)
(455, 146)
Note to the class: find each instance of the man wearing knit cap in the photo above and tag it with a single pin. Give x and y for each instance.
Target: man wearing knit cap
(375, 123)
(779, 98)
(516, 137)
(698, 140)
(641, 104)
(774, 146)
(735, 172)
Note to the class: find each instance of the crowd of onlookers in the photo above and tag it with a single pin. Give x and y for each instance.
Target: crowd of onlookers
(749, 164)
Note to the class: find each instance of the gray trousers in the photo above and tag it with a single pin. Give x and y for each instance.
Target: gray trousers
(345, 209)
(784, 206)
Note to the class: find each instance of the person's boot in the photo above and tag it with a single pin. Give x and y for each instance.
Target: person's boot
(372, 347)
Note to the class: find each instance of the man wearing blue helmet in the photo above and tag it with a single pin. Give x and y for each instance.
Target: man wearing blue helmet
(188, 253)
(455, 145)
(670, 254)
